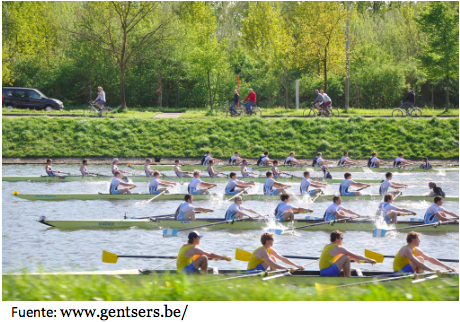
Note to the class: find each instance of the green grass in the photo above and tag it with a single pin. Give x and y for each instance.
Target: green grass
(182, 288)
(140, 137)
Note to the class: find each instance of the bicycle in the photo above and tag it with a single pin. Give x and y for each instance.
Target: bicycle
(225, 111)
(400, 112)
(313, 111)
(93, 110)
(256, 111)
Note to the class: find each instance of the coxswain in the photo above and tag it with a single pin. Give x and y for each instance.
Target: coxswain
(437, 191)
(426, 165)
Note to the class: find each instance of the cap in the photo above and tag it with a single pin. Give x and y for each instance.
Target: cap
(431, 184)
(194, 234)
(245, 161)
(114, 160)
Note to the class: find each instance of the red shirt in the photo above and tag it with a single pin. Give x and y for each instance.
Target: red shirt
(251, 97)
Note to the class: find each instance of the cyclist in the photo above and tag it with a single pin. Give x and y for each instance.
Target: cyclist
(100, 99)
(327, 102)
(236, 99)
(319, 100)
(252, 100)
(409, 101)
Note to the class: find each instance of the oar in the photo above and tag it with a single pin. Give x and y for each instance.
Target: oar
(159, 216)
(331, 222)
(399, 193)
(262, 274)
(317, 196)
(169, 178)
(173, 232)
(108, 257)
(383, 232)
(238, 194)
(380, 257)
(377, 281)
(286, 272)
(157, 195)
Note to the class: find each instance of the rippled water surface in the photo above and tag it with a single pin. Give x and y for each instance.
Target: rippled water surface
(30, 245)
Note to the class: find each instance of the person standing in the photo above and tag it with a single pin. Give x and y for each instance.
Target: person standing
(236, 99)
(252, 100)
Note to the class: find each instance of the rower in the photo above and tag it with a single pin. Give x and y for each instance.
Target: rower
(235, 211)
(411, 259)
(264, 160)
(383, 190)
(425, 164)
(335, 258)
(234, 183)
(212, 173)
(83, 170)
(196, 182)
(437, 191)
(207, 157)
(235, 159)
(186, 264)
(244, 171)
(345, 160)
(400, 161)
(179, 172)
(276, 173)
(273, 188)
(318, 160)
(186, 211)
(388, 212)
(49, 171)
(285, 212)
(373, 161)
(265, 256)
(115, 168)
(335, 211)
(326, 172)
(156, 182)
(347, 183)
(148, 171)
(291, 160)
(436, 213)
(307, 182)
(116, 181)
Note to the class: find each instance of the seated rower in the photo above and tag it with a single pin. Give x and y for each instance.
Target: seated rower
(307, 183)
(244, 171)
(436, 213)
(425, 164)
(186, 211)
(335, 258)
(273, 188)
(49, 171)
(265, 256)
(179, 172)
(347, 183)
(154, 187)
(207, 157)
(185, 262)
(212, 173)
(400, 161)
(115, 167)
(285, 212)
(387, 184)
(374, 162)
(335, 211)
(437, 191)
(264, 160)
(196, 182)
(346, 161)
(84, 172)
(318, 160)
(388, 212)
(276, 173)
(235, 159)
(291, 160)
(148, 171)
(116, 181)
(411, 259)
(234, 184)
(235, 211)
(326, 172)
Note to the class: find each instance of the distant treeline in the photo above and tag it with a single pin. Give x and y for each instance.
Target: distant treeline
(189, 54)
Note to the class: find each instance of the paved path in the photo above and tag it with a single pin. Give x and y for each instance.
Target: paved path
(167, 116)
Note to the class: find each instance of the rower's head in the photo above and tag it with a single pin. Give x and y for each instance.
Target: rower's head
(345, 154)
(389, 175)
(413, 239)
(425, 159)
(208, 152)
(337, 237)
(337, 200)
(245, 162)
(232, 175)
(194, 238)
(432, 185)
(211, 162)
(148, 160)
(239, 200)
(388, 198)
(438, 200)
(374, 154)
(400, 154)
(188, 198)
(177, 162)
(306, 174)
(319, 154)
(269, 174)
(237, 153)
(275, 163)
(266, 153)
(84, 162)
(347, 175)
(196, 174)
(292, 153)
(267, 239)
(115, 161)
(117, 174)
(156, 174)
(285, 197)
(49, 161)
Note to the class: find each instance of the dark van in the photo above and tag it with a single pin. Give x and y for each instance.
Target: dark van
(31, 98)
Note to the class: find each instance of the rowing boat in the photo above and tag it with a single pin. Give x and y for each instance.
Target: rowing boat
(148, 179)
(146, 196)
(291, 168)
(247, 224)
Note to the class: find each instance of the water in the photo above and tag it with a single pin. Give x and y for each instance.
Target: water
(30, 245)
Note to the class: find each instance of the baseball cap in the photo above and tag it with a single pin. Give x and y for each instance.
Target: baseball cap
(114, 160)
(194, 234)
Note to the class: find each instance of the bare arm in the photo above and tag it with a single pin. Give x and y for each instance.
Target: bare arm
(432, 260)
(351, 212)
(203, 209)
(198, 251)
(353, 256)
(285, 260)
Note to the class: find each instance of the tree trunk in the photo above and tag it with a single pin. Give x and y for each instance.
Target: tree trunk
(447, 92)
(286, 96)
(210, 91)
(160, 90)
(325, 69)
(122, 86)
(432, 95)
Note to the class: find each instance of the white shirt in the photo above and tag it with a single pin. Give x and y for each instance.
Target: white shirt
(318, 160)
(231, 184)
(330, 211)
(343, 159)
(384, 187)
(386, 207)
(288, 159)
(154, 184)
(147, 169)
(234, 208)
(326, 98)
(184, 207)
(195, 182)
(304, 185)
(233, 158)
(430, 213)
(207, 159)
(269, 182)
(374, 160)
(262, 158)
(244, 172)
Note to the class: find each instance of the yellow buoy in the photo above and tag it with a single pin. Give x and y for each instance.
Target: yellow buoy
(129, 164)
(15, 192)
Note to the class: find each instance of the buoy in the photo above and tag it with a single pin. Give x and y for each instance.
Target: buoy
(15, 192)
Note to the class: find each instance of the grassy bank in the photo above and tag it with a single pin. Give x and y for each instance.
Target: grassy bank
(137, 137)
(144, 288)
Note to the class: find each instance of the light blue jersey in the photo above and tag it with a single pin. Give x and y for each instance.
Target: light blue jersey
(344, 186)
(329, 214)
(183, 208)
(280, 209)
(268, 187)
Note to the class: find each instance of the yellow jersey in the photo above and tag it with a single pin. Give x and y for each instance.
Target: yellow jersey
(399, 262)
(254, 261)
(327, 260)
(182, 261)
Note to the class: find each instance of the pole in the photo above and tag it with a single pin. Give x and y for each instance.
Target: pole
(297, 94)
(347, 68)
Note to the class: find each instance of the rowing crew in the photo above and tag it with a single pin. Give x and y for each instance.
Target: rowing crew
(156, 186)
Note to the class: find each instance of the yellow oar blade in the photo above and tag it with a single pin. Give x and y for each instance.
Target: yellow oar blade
(373, 255)
(108, 257)
(242, 255)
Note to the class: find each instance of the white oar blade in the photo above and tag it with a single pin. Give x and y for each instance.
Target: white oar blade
(312, 218)
(424, 279)
(170, 232)
(379, 233)
(275, 231)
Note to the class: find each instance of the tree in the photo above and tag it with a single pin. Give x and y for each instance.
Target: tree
(439, 21)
